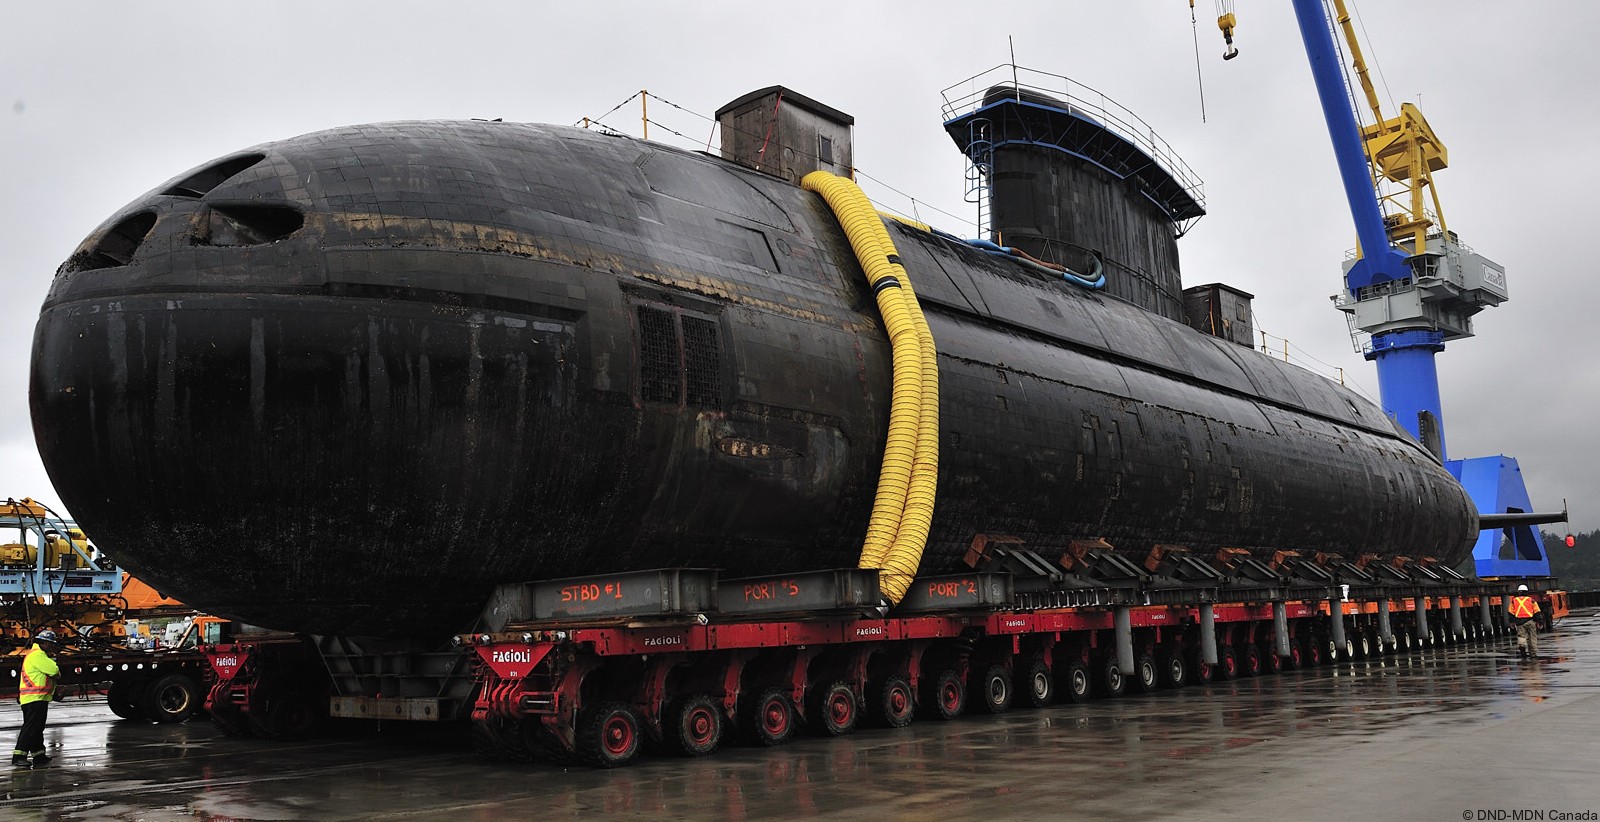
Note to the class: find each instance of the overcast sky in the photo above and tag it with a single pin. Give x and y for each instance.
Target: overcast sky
(100, 102)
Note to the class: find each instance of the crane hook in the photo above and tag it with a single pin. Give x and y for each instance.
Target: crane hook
(1226, 22)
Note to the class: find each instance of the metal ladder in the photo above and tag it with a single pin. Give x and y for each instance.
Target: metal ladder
(980, 159)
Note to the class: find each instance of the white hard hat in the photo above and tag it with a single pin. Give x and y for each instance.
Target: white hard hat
(1522, 587)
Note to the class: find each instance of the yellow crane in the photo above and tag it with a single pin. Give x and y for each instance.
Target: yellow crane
(1403, 150)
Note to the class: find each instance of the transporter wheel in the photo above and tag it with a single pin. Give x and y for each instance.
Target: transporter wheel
(995, 691)
(172, 698)
(1035, 684)
(1249, 659)
(692, 726)
(1075, 681)
(1227, 666)
(291, 715)
(1174, 674)
(945, 696)
(834, 710)
(769, 718)
(123, 699)
(1313, 655)
(608, 735)
(892, 702)
(1113, 683)
(1145, 674)
(1271, 663)
(1202, 672)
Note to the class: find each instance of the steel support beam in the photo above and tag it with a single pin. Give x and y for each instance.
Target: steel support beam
(1280, 627)
(1336, 628)
(1208, 634)
(1124, 632)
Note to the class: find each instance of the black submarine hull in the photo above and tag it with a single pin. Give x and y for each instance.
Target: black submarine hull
(348, 382)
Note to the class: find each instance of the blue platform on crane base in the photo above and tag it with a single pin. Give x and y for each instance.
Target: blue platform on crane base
(1495, 485)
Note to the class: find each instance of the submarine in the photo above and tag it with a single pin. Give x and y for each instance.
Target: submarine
(348, 382)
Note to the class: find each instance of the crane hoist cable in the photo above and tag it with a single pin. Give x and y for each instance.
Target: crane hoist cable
(1194, 30)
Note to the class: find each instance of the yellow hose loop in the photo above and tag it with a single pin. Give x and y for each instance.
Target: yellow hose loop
(872, 247)
(903, 510)
(905, 556)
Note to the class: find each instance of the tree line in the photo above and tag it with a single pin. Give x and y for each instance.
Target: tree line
(1577, 567)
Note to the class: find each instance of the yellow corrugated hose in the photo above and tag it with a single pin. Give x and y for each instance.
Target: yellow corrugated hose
(901, 565)
(903, 509)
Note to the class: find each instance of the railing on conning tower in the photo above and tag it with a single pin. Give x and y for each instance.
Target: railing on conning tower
(973, 93)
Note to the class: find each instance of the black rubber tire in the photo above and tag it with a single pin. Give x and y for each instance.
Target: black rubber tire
(1271, 663)
(500, 739)
(1112, 682)
(1075, 681)
(1036, 685)
(171, 698)
(995, 691)
(607, 736)
(1227, 664)
(891, 702)
(769, 718)
(287, 716)
(1146, 676)
(1249, 660)
(1174, 673)
(692, 725)
(944, 696)
(1200, 672)
(834, 709)
(124, 700)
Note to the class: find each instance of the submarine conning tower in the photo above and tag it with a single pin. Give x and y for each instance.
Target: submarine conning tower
(1067, 176)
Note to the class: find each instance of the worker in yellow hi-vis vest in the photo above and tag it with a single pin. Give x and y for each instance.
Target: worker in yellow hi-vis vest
(1523, 609)
(36, 689)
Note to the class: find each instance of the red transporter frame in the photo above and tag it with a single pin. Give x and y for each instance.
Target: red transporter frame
(683, 685)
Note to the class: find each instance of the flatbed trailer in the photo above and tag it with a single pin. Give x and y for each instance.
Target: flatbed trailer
(166, 685)
(594, 670)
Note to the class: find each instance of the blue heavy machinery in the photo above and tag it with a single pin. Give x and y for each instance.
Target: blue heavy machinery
(50, 575)
(1413, 285)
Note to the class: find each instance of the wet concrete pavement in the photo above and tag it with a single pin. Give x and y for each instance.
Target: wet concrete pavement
(1466, 732)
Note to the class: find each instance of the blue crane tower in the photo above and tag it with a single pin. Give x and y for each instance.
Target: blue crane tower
(1414, 286)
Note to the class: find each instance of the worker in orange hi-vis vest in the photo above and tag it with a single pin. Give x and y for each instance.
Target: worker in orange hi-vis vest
(1523, 609)
(36, 689)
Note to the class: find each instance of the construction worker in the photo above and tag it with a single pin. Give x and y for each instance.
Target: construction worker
(1523, 609)
(38, 688)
